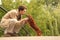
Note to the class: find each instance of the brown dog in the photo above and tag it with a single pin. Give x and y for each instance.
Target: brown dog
(33, 25)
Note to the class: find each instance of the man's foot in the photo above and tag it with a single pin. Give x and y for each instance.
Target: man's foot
(10, 35)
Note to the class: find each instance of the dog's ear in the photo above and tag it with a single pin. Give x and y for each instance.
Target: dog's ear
(32, 23)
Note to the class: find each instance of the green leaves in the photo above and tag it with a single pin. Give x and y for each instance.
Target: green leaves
(45, 14)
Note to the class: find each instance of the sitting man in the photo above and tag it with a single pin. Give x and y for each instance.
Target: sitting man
(12, 21)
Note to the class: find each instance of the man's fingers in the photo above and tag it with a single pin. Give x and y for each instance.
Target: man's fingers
(25, 18)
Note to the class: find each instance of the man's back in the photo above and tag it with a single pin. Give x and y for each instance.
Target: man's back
(9, 16)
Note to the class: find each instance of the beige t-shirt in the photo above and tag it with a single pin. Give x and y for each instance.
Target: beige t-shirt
(11, 15)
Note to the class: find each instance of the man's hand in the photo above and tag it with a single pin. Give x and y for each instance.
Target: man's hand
(24, 20)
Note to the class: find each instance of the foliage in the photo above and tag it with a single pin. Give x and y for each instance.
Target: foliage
(46, 13)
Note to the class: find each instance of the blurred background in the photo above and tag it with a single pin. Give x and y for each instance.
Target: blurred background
(46, 14)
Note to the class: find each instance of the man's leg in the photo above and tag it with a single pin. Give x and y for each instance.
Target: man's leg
(18, 26)
(14, 27)
(9, 30)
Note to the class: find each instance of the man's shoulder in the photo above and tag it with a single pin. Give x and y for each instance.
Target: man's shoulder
(13, 11)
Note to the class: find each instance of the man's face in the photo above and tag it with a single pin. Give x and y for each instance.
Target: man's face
(22, 12)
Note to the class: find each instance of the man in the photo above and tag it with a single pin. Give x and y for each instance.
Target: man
(12, 21)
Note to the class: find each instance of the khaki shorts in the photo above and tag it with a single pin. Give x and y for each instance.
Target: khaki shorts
(14, 26)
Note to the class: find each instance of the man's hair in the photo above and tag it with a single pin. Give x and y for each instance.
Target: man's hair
(21, 8)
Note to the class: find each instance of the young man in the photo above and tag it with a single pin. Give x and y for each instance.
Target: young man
(12, 21)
